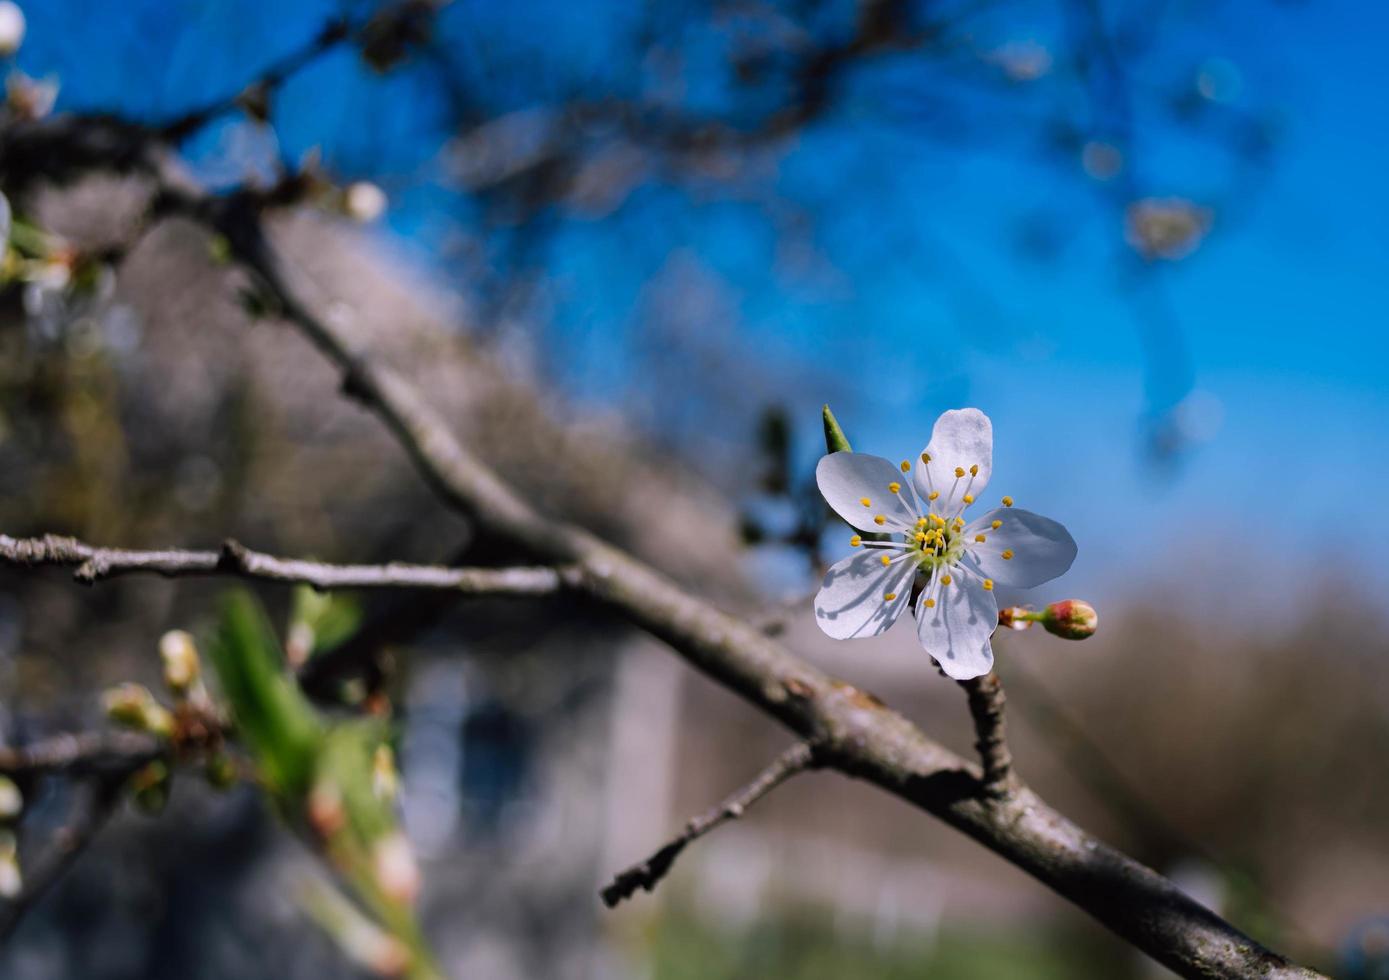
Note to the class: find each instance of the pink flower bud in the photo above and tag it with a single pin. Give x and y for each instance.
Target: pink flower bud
(1071, 619)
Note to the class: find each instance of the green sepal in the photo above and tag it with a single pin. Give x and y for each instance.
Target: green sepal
(837, 442)
(835, 439)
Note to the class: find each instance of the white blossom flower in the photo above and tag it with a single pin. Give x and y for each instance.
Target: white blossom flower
(952, 565)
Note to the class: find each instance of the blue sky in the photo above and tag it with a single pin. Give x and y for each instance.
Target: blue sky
(912, 299)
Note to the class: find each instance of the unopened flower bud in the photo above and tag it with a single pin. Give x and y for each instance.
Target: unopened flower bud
(11, 800)
(385, 780)
(364, 202)
(325, 808)
(396, 871)
(151, 786)
(11, 28)
(180, 656)
(1071, 619)
(11, 881)
(134, 706)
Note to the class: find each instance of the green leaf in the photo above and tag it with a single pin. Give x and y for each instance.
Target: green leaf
(272, 716)
(348, 761)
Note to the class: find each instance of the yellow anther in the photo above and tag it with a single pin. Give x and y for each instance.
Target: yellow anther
(865, 501)
(879, 520)
(906, 466)
(988, 585)
(925, 457)
(945, 580)
(959, 471)
(979, 538)
(996, 525)
(886, 560)
(930, 603)
(894, 487)
(933, 495)
(855, 541)
(1007, 554)
(1007, 501)
(969, 498)
(921, 522)
(974, 470)
(922, 536)
(889, 596)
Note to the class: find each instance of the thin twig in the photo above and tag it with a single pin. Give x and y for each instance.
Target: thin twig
(648, 873)
(262, 87)
(90, 812)
(81, 753)
(986, 701)
(95, 564)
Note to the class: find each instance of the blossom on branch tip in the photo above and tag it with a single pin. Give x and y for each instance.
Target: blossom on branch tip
(948, 565)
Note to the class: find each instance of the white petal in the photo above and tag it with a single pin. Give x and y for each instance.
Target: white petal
(848, 479)
(850, 603)
(1042, 549)
(963, 438)
(956, 632)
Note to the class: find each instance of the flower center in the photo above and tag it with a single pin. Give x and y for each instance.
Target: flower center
(936, 541)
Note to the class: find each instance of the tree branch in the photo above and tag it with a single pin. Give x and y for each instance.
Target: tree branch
(855, 732)
(262, 86)
(648, 873)
(986, 701)
(859, 735)
(93, 808)
(80, 754)
(96, 564)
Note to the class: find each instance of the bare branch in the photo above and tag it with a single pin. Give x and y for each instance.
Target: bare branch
(986, 701)
(94, 805)
(648, 873)
(96, 564)
(82, 753)
(858, 734)
(262, 87)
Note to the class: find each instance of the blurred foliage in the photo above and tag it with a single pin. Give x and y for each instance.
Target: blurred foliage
(323, 778)
(803, 946)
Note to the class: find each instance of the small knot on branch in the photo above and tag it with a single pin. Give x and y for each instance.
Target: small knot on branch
(234, 557)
